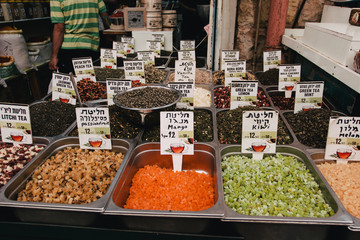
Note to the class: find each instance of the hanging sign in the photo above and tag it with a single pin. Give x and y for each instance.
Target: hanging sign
(130, 44)
(272, 59)
(308, 96)
(148, 57)
(93, 127)
(63, 89)
(185, 71)
(343, 141)
(229, 55)
(187, 45)
(121, 49)
(160, 38)
(134, 71)
(154, 46)
(289, 76)
(114, 86)
(15, 123)
(243, 93)
(187, 93)
(259, 132)
(234, 71)
(84, 69)
(186, 55)
(108, 58)
(177, 135)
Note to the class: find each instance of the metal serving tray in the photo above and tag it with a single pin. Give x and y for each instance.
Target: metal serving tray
(203, 160)
(52, 213)
(341, 217)
(318, 158)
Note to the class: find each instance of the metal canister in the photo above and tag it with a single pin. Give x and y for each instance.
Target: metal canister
(169, 18)
(154, 20)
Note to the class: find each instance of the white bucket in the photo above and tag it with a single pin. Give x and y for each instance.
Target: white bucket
(169, 18)
(154, 20)
(151, 5)
(43, 46)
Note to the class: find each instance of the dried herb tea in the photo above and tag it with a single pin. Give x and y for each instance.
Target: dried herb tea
(147, 97)
(154, 75)
(281, 102)
(51, 118)
(103, 73)
(229, 126)
(270, 77)
(218, 77)
(311, 127)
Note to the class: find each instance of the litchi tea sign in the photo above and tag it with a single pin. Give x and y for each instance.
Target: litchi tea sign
(185, 71)
(243, 93)
(187, 45)
(187, 93)
(84, 69)
(308, 96)
(289, 75)
(114, 86)
(177, 132)
(271, 59)
(234, 71)
(93, 127)
(63, 89)
(229, 55)
(134, 71)
(259, 132)
(343, 141)
(108, 58)
(15, 124)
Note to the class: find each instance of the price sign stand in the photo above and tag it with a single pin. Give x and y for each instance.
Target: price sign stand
(289, 76)
(177, 136)
(185, 71)
(93, 127)
(84, 69)
(259, 132)
(343, 141)
(114, 86)
(308, 96)
(15, 123)
(134, 71)
(63, 89)
(243, 93)
(271, 59)
(187, 92)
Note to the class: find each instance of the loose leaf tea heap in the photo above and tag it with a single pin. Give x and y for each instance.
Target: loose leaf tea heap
(311, 127)
(103, 73)
(154, 75)
(147, 97)
(229, 126)
(270, 77)
(282, 102)
(51, 118)
(201, 77)
(218, 77)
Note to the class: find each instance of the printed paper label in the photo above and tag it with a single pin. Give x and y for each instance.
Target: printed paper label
(259, 131)
(63, 89)
(15, 124)
(134, 71)
(177, 133)
(154, 46)
(114, 86)
(243, 93)
(131, 43)
(108, 58)
(272, 59)
(289, 76)
(308, 96)
(185, 71)
(187, 45)
(186, 55)
(121, 49)
(234, 71)
(148, 57)
(343, 141)
(187, 93)
(93, 127)
(84, 69)
(229, 55)
(160, 38)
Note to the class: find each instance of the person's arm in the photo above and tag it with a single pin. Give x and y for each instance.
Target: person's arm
(105, 19)
(58, 38)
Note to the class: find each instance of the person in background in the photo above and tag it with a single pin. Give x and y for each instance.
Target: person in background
(76, 31)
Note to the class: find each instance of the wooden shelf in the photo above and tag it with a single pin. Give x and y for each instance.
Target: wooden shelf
(25, 20)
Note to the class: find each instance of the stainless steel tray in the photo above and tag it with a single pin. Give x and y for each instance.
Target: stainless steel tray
(318, 158)
(204, 160)
(52, 213)
(341, 217)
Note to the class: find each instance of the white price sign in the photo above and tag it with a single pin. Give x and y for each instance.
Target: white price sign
(84, 69)
(187, 93)
(343, 141)
(114, 86)
(243, 93)
(229, 55)
(121, 49)
(148, 57)
(234, 71)
(272, 59)
(154, 46)
(93, 127)
(134, 71)
(160, 38)
(185, 71)
(308, 96)
(259, 132)
(186, 55)
(15, 124)
(187, 45)
(130, 43)
(63, 89)
(289, 76)
(108, 58)
(177, 132)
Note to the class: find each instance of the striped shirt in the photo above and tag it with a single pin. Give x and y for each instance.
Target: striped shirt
(81, 19)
